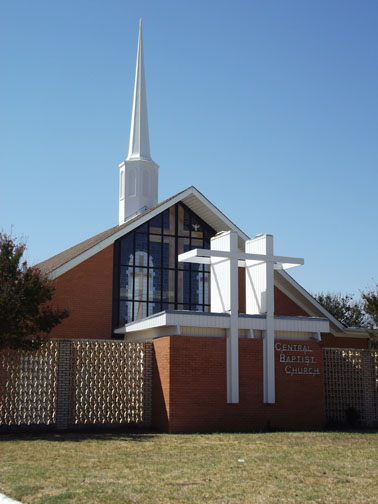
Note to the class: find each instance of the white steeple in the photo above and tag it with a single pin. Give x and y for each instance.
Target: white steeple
(138, 174)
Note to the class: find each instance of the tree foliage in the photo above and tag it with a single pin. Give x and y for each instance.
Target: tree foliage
(26, 318)
(347, 311)
(370, 305)
(362, 313)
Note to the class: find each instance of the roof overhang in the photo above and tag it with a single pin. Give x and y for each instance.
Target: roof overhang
(191, 197)
(209, 213)
(175, 322)
(303, 299)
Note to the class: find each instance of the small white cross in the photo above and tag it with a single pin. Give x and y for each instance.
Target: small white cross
(259, 261)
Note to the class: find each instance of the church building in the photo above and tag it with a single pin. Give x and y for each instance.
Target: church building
(237, 341)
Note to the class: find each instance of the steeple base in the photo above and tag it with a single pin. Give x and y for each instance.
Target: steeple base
(138, 181)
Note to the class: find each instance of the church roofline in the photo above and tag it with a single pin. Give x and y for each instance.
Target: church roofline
(194, 199)
(311, 300)
(309, 304)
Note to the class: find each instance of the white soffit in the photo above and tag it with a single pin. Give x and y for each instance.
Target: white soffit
(191, 197)
(355, 332)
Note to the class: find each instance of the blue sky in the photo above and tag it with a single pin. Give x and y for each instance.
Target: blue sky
(269, 108)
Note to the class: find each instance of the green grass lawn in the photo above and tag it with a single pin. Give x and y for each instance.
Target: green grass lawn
(326, 467)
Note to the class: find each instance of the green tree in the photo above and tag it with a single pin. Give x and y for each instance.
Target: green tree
(370, 306)
(344, 308)
(26, 318)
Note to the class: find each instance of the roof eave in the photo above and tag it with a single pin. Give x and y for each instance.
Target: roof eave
(219, 222)
(298, 288)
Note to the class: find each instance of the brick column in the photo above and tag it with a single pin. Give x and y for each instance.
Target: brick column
(147, 384)
(369, 388)
(63, 384)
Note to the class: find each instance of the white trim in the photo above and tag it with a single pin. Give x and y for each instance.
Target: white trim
(352, 332)
(174, 319)
(138, 222)
(219, 214)
(201, 256)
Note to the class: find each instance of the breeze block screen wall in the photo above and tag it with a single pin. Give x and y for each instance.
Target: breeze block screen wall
(73, 384)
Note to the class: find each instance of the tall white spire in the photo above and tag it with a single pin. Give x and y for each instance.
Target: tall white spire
(138, 174)
(139, 147)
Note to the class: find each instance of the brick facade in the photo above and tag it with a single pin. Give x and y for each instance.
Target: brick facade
(331, 341)
(189, 373)
(161, 384)
(86, 291)
(283, 305)
(189, 388)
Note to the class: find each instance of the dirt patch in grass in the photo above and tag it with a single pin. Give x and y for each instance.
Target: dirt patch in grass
(328, 467)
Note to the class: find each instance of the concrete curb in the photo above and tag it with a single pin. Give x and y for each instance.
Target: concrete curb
(6, 500)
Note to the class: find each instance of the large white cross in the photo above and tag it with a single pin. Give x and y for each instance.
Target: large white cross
(259, 261)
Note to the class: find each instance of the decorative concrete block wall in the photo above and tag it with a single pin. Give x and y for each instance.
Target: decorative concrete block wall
(69, 384)
(28, 386)
(178, 384)
(351, 381)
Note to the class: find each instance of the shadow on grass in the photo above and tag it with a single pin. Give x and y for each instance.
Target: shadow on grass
(135, 434)
(96, 434)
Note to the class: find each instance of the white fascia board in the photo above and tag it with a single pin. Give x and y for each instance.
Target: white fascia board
(194, 256)
(354, 332)
(142, 325)
(118, 234)
(127, 229)
(219, 214)
(281, 323)
(301, 324)
(313, 301)
(194, 319)
(176, 319)
(258, 323)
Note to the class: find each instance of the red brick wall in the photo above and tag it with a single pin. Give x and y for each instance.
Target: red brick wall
(86, 291)
(283, 305)
(161, 383)
(194, 389)
(331, 341)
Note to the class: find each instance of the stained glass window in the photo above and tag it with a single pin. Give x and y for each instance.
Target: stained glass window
(148, 277)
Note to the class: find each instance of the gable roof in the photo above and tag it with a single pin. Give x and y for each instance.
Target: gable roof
(194, 199)
(198, 203)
